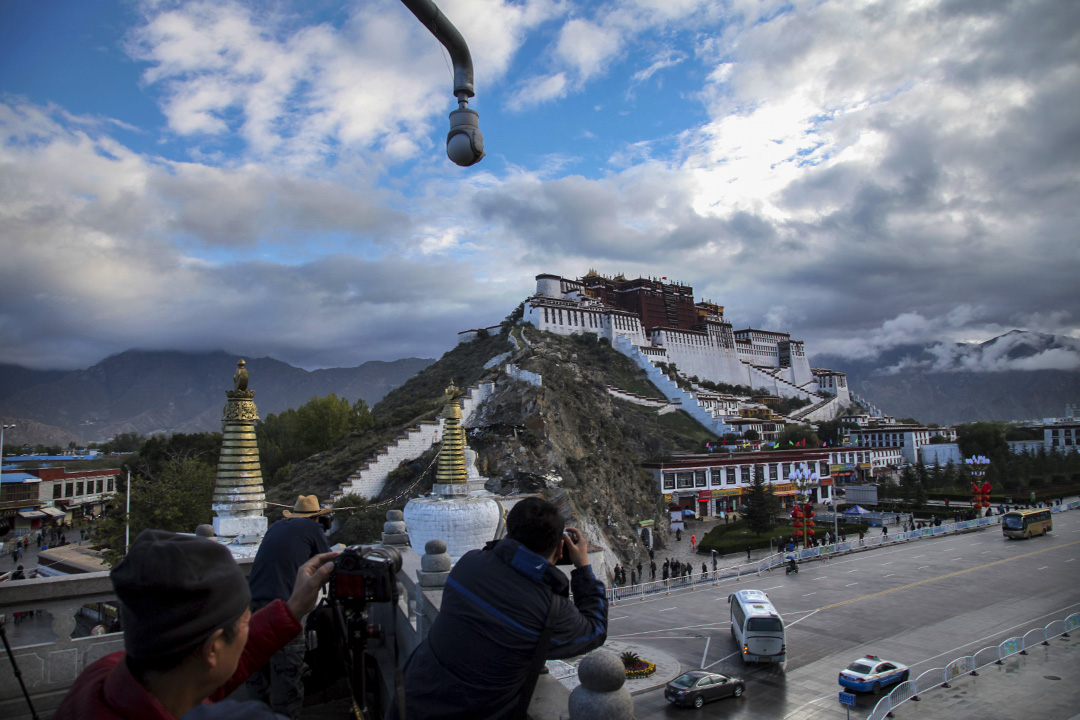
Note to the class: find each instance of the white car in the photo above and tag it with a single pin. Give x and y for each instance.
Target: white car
(871, 673)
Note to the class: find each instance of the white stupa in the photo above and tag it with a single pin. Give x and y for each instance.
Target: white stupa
(459, 510)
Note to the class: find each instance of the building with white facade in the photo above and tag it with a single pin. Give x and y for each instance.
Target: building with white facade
(710, 484)
(909, 438)
(658, 322)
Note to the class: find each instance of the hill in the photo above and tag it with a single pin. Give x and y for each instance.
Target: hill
(149, 392)
(567, 438)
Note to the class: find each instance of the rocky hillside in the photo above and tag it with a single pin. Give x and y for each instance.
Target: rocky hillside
(567, 438)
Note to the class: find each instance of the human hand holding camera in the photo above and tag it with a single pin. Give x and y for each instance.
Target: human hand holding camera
(575, 547)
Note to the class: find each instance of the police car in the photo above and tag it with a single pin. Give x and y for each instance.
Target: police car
(871, 673)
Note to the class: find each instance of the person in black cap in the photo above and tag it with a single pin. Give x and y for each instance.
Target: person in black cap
(287, 545)
(189, 635)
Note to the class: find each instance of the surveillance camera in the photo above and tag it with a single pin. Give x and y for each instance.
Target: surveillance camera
(464, 142)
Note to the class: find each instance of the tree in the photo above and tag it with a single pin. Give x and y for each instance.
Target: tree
(762, 506)
(982, 438)
(360, 526)
(795, 434)
(752, 435)
(124, 443)
(317, 425)
(177, 498)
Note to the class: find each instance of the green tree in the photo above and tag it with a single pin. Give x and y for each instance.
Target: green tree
(983, 438)
(177, 498)
(762, 506)
(361, 524)
(317, 425)
(795, 434)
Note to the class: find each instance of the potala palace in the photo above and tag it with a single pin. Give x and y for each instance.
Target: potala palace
(653, 321)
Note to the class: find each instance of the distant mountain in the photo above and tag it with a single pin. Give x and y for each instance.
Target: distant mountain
(147, 392)
(1020, 375)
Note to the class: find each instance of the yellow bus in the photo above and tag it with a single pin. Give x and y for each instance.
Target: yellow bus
(1025, 523)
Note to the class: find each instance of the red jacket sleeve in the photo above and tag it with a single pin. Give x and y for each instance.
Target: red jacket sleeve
(270, 630)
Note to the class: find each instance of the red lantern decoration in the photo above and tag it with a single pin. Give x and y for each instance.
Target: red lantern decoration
(797, 523)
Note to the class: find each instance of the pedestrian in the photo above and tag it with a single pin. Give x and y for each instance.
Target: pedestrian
(714, 560)
(652, 555)
(827, 537)
(633, 578)
(861, 534)
(678, 534)
(704, 569)
(506, 609)
(652, 570)
(693, 542)
(884, 530)
(18, 574)
(665, 573)
(639, 573)
(615, 571)
(288, 544)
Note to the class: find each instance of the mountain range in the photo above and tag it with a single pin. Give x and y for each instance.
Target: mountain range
(1020, 375)
(164, 391)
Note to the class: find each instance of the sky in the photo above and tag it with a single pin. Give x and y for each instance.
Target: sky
(270, 178)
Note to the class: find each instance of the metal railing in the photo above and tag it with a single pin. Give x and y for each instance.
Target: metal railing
(970, 664)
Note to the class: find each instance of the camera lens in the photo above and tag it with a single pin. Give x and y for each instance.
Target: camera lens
(388, 554)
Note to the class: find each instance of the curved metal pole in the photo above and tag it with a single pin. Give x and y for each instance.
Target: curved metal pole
(444, 31)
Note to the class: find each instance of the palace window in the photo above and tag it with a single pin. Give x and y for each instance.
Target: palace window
(684, 479)
(109, 484)
(57, 490)
(669, 481)
(79, 488)
(731, 476)
(68, 489)
(699, 479)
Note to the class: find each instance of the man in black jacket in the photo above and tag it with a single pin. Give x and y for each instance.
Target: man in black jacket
(474, 663)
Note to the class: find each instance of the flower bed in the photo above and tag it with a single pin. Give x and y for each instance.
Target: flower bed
(641, 669)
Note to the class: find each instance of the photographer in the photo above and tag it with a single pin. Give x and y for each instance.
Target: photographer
(189, 635)
(288, 544)
(504, 610)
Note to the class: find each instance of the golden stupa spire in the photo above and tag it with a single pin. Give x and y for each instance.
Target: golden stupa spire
(452, 468)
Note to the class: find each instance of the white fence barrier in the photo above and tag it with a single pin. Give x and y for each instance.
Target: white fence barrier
(969, 665)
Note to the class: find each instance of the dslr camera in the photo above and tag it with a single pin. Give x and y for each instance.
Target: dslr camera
(365, 574)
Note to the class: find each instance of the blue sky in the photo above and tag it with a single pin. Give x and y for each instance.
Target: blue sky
(269, 178)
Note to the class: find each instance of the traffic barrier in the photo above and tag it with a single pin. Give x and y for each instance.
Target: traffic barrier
(902, 693)
(969, 665)
(882, 710)
(1008, 648)
(984, 657)
(1033, 637)
(958, 667)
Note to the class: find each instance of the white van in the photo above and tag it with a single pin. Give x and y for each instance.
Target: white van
(757, 627)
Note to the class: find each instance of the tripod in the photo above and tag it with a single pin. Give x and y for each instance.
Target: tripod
(18, 673)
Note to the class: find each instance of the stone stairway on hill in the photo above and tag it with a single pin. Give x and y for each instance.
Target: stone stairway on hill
(370, 479)
(814, 412)
(685, 400)
(793, 390)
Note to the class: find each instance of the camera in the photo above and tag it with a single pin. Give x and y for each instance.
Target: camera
(365, 574)
(564, 557)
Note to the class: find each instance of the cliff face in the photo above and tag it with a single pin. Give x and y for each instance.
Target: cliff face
(567, 438)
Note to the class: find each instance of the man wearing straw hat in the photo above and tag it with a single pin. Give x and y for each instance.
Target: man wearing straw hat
(288, 544)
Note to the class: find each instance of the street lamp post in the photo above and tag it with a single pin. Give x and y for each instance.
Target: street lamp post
(803, 478)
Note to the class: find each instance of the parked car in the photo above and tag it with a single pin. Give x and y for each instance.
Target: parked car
(871, 673)
(698, 687)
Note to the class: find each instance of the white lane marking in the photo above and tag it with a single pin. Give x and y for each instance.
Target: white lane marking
(706, 653)
(922, 567)
(959, 558)
(717, 662)
(850, 584)
(984, 552)
(1043, 567)
(809, 594)
(888, 563)
(855, 570)
(621, 617)
(666, 609)
(796, 622)
(1070, 559)
(890, 574)
(774, 587)
(916, 557)
(823, 577)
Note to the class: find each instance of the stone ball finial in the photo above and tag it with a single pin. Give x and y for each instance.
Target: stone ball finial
(603, 694)
(435, 558)
(394, 530)
(394, 515)
(205, 531)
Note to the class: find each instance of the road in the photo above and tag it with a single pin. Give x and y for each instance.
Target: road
(922, 603)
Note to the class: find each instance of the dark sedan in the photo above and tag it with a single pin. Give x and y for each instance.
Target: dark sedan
(698, 687)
